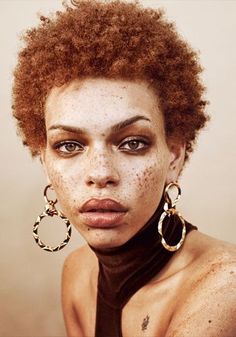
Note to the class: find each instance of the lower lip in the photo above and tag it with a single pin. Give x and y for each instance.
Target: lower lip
(103, 219)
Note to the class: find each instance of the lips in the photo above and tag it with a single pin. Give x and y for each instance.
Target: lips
(102, 213)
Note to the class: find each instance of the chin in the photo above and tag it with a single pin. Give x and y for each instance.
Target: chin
(105, 238)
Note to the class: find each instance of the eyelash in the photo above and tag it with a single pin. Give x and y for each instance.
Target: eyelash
(145, 144)
(58, 147)
(142, 141)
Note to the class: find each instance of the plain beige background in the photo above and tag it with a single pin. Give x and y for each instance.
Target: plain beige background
(30, 278)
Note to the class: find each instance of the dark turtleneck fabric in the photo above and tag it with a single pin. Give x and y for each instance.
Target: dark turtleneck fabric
(125, 269)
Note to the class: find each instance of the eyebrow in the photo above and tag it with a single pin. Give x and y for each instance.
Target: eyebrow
(115, 128)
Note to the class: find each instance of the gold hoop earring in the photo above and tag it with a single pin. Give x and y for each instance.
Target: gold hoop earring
(50, 210)
(169, 210)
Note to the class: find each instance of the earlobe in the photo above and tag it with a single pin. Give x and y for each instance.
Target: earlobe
(177, 156)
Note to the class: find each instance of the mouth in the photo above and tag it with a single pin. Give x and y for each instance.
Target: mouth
(102, 213)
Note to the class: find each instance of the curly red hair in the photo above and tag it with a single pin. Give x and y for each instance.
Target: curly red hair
(112, 40)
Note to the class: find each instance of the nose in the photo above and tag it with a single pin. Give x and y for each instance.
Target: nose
(101, 171)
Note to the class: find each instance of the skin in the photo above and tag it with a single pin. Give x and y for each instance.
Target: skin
(130, 164)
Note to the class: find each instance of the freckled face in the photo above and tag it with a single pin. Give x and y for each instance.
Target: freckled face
(105, 139)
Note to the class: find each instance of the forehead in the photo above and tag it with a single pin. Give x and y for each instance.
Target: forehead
(101, 101)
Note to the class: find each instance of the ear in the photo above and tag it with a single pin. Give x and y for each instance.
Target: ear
(43, 162)
(176, 160)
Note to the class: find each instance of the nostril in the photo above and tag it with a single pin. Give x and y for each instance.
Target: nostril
(90, 183)
(111, 182)
(102, 181)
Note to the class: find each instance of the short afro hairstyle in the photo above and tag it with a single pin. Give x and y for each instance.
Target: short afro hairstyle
(117, 40)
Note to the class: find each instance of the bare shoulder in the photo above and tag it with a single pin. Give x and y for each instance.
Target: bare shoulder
(207, 304)
(215, 259)
(77, 288)
(78, 266)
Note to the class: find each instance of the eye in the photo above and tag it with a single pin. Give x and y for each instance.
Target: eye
(134, 145)
(69, 147)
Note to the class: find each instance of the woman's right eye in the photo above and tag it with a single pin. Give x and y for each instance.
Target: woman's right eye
(69, 147)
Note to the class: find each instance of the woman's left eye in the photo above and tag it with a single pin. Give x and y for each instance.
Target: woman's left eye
(134, 145)
(69, 147)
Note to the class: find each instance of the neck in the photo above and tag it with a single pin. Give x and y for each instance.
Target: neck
(124, 269)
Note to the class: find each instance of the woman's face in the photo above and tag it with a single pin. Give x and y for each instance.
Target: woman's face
(107, 157)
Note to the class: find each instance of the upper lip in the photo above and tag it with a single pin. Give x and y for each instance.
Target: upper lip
(102, 205)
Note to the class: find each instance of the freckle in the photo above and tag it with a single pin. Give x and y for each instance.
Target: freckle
(232, 272)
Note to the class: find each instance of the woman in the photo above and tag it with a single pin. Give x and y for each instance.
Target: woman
(110, 98)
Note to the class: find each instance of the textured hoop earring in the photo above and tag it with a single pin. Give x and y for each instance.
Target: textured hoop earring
(50, 210)
(169, 210)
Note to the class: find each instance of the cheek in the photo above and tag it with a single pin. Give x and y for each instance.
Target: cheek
(148, 182)
(63, 184)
